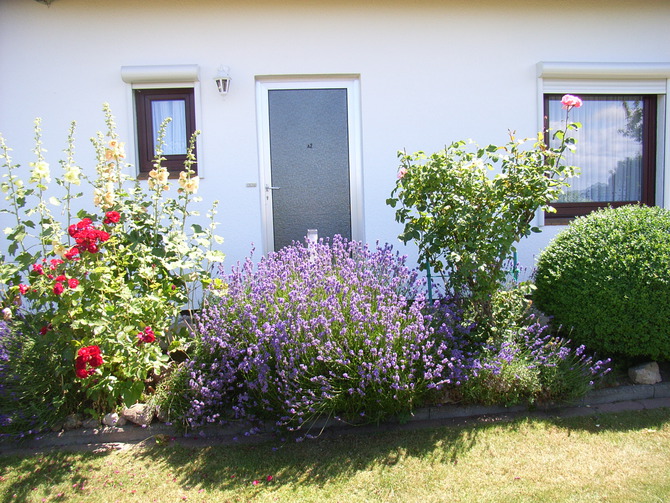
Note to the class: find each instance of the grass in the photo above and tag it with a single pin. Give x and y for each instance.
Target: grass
(609, 458)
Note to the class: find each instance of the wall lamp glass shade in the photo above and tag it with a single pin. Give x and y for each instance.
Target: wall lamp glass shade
(222, 80)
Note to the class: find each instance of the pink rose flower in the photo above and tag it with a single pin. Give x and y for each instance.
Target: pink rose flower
(23, 288)
(569, 101)
(402, 172)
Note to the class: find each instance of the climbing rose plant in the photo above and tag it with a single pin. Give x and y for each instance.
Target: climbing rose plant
(466, 222)
(102, 287)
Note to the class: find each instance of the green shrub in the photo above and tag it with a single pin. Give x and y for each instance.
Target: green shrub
(465, 220)
(605, 279)
(32, 388)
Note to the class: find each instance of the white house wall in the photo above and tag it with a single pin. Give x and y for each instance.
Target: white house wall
(430, 72)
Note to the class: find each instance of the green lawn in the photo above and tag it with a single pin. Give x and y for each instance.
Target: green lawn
(610, 458)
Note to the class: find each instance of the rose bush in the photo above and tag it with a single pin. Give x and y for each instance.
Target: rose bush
(102, 287)
(464, 221)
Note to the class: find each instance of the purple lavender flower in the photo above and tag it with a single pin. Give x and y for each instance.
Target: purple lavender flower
(333, 329)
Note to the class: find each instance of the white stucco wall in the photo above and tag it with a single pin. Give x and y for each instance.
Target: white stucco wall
(430, 72)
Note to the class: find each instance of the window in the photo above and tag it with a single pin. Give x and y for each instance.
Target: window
(616, 152)
(623, 149)
(152, 107)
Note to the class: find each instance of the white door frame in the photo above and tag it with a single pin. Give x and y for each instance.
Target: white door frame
(352, 85)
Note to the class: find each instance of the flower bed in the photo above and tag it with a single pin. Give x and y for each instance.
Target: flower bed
(91, 297)
(333, 329)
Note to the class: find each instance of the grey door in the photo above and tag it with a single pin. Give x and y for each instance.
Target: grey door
(309, 160)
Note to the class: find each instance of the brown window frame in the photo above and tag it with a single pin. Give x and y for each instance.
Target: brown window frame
(566, 212)
(146, 135)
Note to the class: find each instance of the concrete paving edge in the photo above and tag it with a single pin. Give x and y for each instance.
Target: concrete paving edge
(621, 398)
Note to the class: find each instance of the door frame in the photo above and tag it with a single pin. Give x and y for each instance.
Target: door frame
(351, 83)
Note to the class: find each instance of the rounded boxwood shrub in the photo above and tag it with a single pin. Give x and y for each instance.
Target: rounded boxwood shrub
(606, 279)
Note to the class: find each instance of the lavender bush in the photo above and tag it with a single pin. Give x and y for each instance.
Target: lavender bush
(530, 366)
(326, 330)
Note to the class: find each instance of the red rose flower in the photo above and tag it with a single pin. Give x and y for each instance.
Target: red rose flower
(87, 351)
(38, 269)
(58, 288)
(74, 251)
(73, 283)
(147, 335)
(23, 288)
(112, 217)
(87, 356)
(85, 222)
(61, 278)
(55, 262)
(82, 372)
(45, 329)
(86, 236)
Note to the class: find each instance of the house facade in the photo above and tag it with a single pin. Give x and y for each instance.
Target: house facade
(322, 95)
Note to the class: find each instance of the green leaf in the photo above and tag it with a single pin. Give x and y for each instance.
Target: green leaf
(133, 393)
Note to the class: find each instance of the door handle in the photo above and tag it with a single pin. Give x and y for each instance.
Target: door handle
(269, 187)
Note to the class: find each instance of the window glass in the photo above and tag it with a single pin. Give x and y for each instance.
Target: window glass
(614, 151)
(176, 135)
(609, 148)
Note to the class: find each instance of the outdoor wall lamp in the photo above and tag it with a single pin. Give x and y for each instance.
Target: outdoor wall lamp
(222, 80)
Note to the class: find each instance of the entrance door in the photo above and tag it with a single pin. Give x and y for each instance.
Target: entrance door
(310, 171)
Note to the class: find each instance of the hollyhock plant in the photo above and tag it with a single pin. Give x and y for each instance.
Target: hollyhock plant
(128, 257)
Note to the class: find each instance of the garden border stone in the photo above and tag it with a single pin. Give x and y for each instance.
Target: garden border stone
(621, 398)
